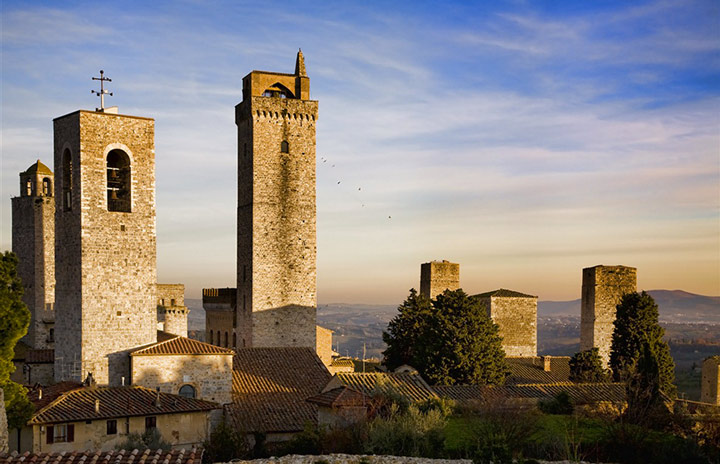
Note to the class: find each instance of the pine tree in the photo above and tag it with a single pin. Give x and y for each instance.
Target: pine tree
(14, 322)
(404, 329)
(587, 366)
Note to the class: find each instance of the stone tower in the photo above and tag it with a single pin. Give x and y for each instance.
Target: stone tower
(602, 289)
(710, 384)
(515, 314)
(172, 313)
(105, 243)
(276, 261)
(33, 241)
(438, 276)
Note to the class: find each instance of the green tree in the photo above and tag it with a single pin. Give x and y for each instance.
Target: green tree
(14, 322)
(587, 366)
(449, 340)
(404, 329)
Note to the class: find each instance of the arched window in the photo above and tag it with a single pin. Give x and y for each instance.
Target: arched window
(188, 391)
(226, 339)
(211, 337)
(47, 187)
(118, 181)
(234, 340)
(219, 340)
(67, 180)
(29, 187)
(284, 147)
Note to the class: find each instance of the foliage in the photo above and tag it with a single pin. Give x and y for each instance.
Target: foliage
(149, 439)
(224, 444)
(412, 433)
(587, 366)
(561, 404)
(309, 441)
(448, 340)
(14, 322)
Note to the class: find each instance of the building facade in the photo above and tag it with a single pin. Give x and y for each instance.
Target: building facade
(276, 243)
(33, 241)
(602, 289)
(105, 243)
(515, 314)
(438, 276)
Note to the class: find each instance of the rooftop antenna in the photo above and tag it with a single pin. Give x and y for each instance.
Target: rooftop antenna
(102, 91)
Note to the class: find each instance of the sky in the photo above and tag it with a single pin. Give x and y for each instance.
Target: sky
(523, 140)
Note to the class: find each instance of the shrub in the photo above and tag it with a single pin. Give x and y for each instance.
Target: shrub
(561, 404)
(150, 439)
(225, 443)
(412, 433)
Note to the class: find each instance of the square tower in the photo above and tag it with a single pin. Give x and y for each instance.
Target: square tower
(105, 243)
(515, 314)
(276, 247)
(602, 289)
(438, 276)
(33, 241)
(710, 388)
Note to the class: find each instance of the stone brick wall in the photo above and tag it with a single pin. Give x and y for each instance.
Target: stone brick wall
(219, 305)
(210, 375)
(516, 318)
(710, 388)
(105, 296)
(323, 345)
(33, 241)
(438, 276)
(172, 312)
(602, 289)
(276, 273)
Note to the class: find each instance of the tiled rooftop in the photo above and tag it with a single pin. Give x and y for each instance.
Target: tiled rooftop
(338, 397)
(529, 370)
(410, 386)
(580, 393)
(79, 404)
(270, 386)
(42, 396)
(177, 345)
(181, 456)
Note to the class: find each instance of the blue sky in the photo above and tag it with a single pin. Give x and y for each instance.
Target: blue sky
(524, 140)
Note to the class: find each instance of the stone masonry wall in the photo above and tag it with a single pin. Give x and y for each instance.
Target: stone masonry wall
(210, 375)
(517, 321)
(107, 301)
(438, 276)
(710, 389)
(323, 346)
(172, 311)
(602, 289)
(219, 305)
(276, 222)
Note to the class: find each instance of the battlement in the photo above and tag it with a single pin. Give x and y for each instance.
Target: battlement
(226, 296)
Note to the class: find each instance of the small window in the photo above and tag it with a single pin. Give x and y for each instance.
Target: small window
(188, 391)
(234, 340)
(211, 337)
(61, 433)
(172, 301)
(111, 427)
(150, 422)
(226, 339)
(284, 147)
(51, 336)
(29, 187)
(47, 187)
(219, 339)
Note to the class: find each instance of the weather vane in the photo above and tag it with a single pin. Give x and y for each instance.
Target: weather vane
(102, 91)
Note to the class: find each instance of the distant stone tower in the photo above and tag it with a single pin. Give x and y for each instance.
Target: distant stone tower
(276, 262)
(710, 388)
(438, 276)
(105, 243)
(171, 310)
(515, 314)
(602, 289)
(33, 241)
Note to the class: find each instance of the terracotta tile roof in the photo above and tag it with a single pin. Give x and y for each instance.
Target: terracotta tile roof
(339, 397)
(504, 293)
(181, 456)
(79, 404)
(528, 370)
(42, 396)
(177, 345)
(342, 362)
(270, 386)
(40, 356)
(409, 385)
(580, 393)
(164, 336)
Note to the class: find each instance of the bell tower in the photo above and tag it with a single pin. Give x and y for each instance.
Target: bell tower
(276, 262)
(105, 242)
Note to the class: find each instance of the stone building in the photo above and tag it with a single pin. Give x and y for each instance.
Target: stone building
(33, 241)
(602, 289)
(220, 305)
(276, 236)
(516, 315)
(438, 276)
(710, 388)
(105, 243)
(172, 314)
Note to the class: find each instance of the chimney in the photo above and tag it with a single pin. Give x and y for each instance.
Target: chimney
(546, 363)
(97, 406)
(40, 393)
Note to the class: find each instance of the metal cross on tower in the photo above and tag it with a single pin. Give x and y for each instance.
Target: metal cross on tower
(102, 91)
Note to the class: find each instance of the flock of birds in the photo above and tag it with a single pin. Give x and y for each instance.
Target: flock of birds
(359, 189)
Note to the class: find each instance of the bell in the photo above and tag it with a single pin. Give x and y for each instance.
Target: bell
(113, 195)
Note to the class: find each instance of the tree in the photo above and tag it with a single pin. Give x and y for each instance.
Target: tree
(448, 340)
(587, 366)
(14, 322)
(641, 358)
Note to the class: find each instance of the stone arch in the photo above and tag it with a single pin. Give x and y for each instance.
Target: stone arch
(188, 391)
(119, 185)
(279, 91)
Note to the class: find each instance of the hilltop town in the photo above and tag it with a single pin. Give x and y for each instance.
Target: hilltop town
(108, 354)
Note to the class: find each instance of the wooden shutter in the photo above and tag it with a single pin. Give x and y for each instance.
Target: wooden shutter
(71, 433)
(49, 434)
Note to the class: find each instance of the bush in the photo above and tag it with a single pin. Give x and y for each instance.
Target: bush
(225, 443)
(413, 433)
(150, 439)
(561, 404)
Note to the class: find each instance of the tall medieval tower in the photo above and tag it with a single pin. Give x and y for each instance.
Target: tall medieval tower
(438, 276)
(276, 262)
(105, 243)
(33, 241)
(602, 289)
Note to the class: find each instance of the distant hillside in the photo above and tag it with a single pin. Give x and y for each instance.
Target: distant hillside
(674, 305)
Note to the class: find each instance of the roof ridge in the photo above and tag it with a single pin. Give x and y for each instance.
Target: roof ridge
(56, 401)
